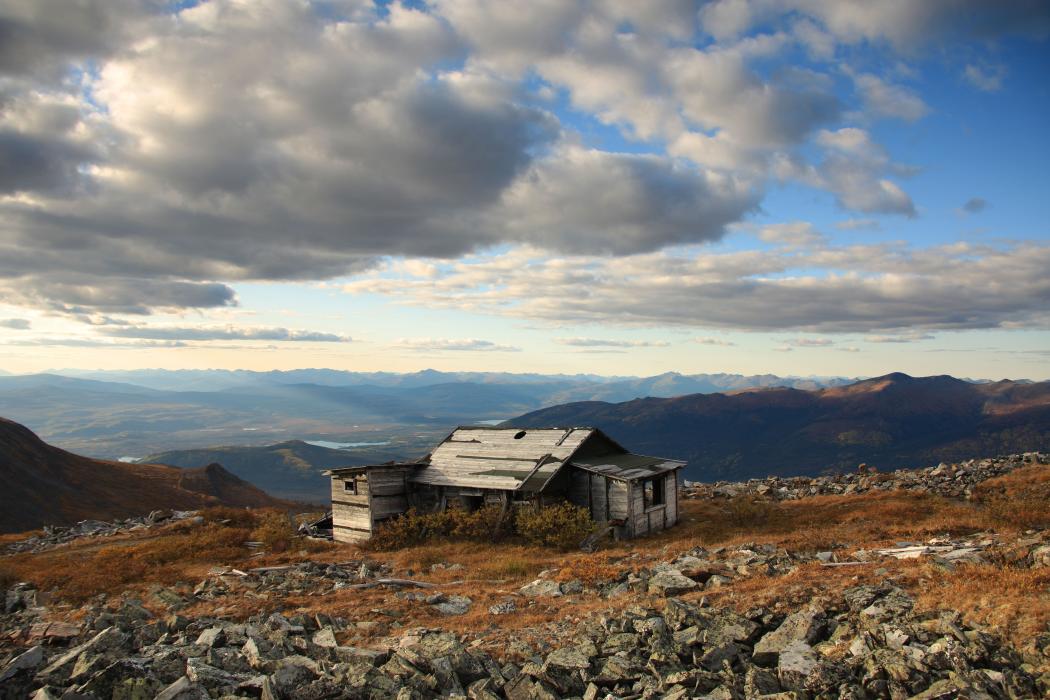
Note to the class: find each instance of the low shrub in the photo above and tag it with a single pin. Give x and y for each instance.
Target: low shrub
(749, 511)
(226, 515)
(274, 530)
(563, 525)
(7, 578)
(413, 528)
(407, 530)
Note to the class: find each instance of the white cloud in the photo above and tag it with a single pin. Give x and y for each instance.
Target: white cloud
(452, 345)
(797, 234)
(711, 340)
(207, 333)
(886, 100)
(811, 342)
(609, 343)
(988, 78)
(900, 338)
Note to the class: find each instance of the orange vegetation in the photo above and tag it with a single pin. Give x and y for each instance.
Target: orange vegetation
(999, 593)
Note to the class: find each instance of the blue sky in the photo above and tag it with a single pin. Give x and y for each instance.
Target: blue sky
(750, 186)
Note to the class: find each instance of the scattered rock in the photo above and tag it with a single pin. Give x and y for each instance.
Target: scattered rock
(541, 588)
(671, 582)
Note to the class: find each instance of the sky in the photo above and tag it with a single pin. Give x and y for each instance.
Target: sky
(787, 186)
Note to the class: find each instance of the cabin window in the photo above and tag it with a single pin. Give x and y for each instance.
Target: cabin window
(350, 486)
(653, 490)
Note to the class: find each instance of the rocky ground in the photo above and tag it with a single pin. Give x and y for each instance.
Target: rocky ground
(949, 480)
(55, 535)
(672, 618)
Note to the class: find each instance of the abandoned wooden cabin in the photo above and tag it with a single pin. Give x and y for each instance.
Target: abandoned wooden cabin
(474, 466)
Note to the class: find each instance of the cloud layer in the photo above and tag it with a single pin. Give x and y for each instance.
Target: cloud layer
(821, 288)
(151, 158)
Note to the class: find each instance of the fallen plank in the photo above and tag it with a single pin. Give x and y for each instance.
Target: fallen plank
(391, 582)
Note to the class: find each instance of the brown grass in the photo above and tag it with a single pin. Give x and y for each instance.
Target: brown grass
(1011, 599)
(1019, 499)
(79, 575)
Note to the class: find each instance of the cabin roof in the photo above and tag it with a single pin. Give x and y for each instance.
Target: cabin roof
(362, 468)
(627, 467)
(501, 458)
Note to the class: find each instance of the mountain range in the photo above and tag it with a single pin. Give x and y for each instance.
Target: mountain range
(43, 485)
(130, 414)
(888, 422)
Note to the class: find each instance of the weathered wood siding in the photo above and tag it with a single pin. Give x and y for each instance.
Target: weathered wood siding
(388, 493)
(605, 498)
(381, 494)
(643, 521)
(671, 491)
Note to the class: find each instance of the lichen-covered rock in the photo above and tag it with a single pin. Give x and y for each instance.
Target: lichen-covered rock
(804, 626)
(671, 582)
(541, 588)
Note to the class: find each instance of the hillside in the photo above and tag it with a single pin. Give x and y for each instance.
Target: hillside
(882, 592)
(288, 469)
(41, 484)
(889, 421)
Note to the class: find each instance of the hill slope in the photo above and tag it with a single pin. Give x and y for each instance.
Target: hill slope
(290, 469)
(41, 484)
(890, 421)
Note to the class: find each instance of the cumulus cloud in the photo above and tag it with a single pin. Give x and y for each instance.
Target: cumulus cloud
(797, 234)
(15, 324)
(886, 100)
(206, 333)
(855, 169)
(832, 289)
(453, 345)
(608, 343)
(329, 136)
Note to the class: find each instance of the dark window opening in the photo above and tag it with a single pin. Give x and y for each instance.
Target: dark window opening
(471, 503)
(350, 486)
(653, 490)
(519, 435)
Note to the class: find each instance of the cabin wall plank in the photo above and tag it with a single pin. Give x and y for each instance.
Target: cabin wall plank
(617, 499)
(599, 502)
(351, 516)
(671, 492)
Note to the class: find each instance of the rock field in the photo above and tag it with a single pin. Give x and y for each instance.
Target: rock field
(949, 480)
